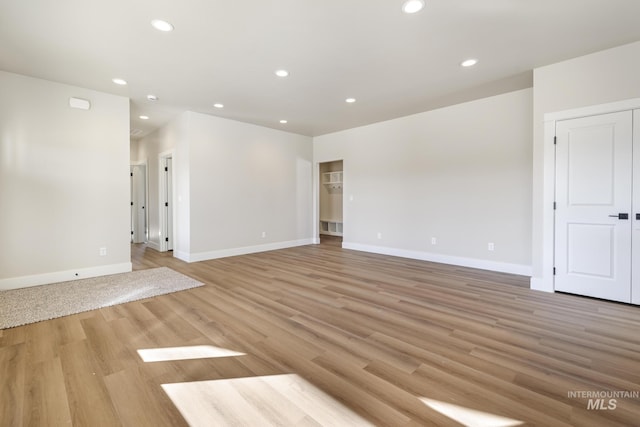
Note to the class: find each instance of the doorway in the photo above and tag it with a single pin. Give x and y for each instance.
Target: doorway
(331, 224)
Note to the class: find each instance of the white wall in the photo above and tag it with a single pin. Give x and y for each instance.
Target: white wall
(461, 174)
(233, 181)
(246, 180)
(64, 183)
(133, 150)
(602, 77)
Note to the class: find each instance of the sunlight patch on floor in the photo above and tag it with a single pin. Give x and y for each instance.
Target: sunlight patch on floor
(185, 353)
(469, 417)
(259, 401)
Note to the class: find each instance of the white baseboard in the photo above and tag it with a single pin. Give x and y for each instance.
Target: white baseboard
(541, 284)
(503, 267)
(181, 255)
(153, 245)
(63, 276)
(223, 253)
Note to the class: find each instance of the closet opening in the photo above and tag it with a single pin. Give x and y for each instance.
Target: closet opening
(331, 225)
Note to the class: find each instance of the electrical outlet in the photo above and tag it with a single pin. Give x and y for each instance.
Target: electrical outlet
(434, 241)
(491, 246)
(264, 234)
(379, 235)
(103, 251)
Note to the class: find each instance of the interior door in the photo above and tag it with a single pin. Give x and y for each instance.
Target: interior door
(593, 206)
(169, 203)
(635, 242)
(138, 203)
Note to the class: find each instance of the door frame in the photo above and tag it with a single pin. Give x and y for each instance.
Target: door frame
(162, 188)
(316, 199)
(545, 280)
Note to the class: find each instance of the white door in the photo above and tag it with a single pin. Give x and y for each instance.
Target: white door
(138, 203)
(635, 239)
(166, 204)
(169, 203)
(593, 206)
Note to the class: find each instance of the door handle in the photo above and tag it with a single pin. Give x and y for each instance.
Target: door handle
(621, 216)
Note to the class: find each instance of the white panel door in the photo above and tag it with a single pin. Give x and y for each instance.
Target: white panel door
(593, 186)
(138, 204)
(635, 239)
(169, 203)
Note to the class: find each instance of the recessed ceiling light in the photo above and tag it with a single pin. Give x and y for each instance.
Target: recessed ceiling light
(282, 73)
(152, 97)
(144, 117)
(218, 105)
(161, 25)
(283, 122)
(469, 63)
(350, 100)
(120, 82)
(412, 6)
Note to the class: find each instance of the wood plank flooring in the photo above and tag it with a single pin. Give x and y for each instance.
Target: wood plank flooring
(327, 336)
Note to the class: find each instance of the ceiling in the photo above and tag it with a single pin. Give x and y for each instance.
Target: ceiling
(226, 51)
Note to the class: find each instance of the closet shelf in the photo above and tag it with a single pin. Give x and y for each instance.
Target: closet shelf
(332, 179)
(331, 227)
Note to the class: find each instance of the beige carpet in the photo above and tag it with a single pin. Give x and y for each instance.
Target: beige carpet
(34, 304)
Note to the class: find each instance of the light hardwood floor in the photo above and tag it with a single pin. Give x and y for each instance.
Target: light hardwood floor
(324, 336)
